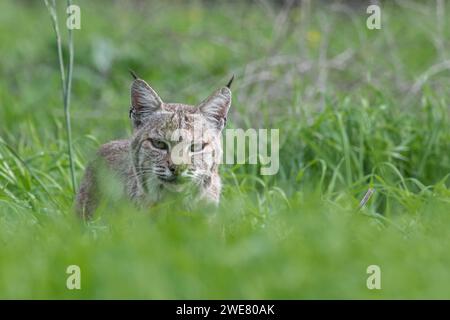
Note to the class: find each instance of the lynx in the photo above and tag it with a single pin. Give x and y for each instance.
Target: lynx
(148, 164)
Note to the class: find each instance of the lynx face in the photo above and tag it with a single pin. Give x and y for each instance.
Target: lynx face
(176, 146)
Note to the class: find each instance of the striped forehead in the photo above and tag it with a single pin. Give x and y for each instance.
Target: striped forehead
(179, 107)
(177, 120)
(163, 123)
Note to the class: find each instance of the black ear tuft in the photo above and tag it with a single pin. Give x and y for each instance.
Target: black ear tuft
(230, 82)
(133, 74)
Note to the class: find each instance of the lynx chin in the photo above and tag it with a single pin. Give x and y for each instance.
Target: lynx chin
(174, 149)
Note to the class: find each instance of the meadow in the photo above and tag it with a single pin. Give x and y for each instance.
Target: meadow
(356, 109)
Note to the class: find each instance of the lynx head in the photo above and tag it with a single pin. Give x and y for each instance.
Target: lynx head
(176, 144)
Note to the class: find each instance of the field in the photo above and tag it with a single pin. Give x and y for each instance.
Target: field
(355, 108)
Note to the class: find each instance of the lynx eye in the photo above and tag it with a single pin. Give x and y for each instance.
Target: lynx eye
(158, 144)
(196, 147)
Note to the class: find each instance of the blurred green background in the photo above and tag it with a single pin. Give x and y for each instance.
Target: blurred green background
(356, 108)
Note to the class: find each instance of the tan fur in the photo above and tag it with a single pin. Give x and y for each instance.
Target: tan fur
(145, 168)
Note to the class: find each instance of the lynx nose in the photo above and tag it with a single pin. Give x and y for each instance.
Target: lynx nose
(176, 170)
(173, 168)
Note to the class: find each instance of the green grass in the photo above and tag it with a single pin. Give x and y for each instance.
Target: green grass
(294, 235)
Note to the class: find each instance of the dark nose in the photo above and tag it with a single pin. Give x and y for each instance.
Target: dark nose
(172, 168)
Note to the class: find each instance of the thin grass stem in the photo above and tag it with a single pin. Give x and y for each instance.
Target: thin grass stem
(66, 83)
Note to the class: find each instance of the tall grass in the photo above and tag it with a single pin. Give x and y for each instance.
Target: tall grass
(380, 121)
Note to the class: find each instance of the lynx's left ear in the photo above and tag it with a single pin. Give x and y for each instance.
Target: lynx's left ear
(215, 107)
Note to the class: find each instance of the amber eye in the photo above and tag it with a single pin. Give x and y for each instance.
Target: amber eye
(158, 144)
(196, 147)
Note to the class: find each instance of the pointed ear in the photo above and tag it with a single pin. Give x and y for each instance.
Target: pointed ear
(144, 101)
(215, 107)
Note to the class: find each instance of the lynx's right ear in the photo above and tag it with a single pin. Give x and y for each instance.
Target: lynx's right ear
(144, 101)
(215, 107)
